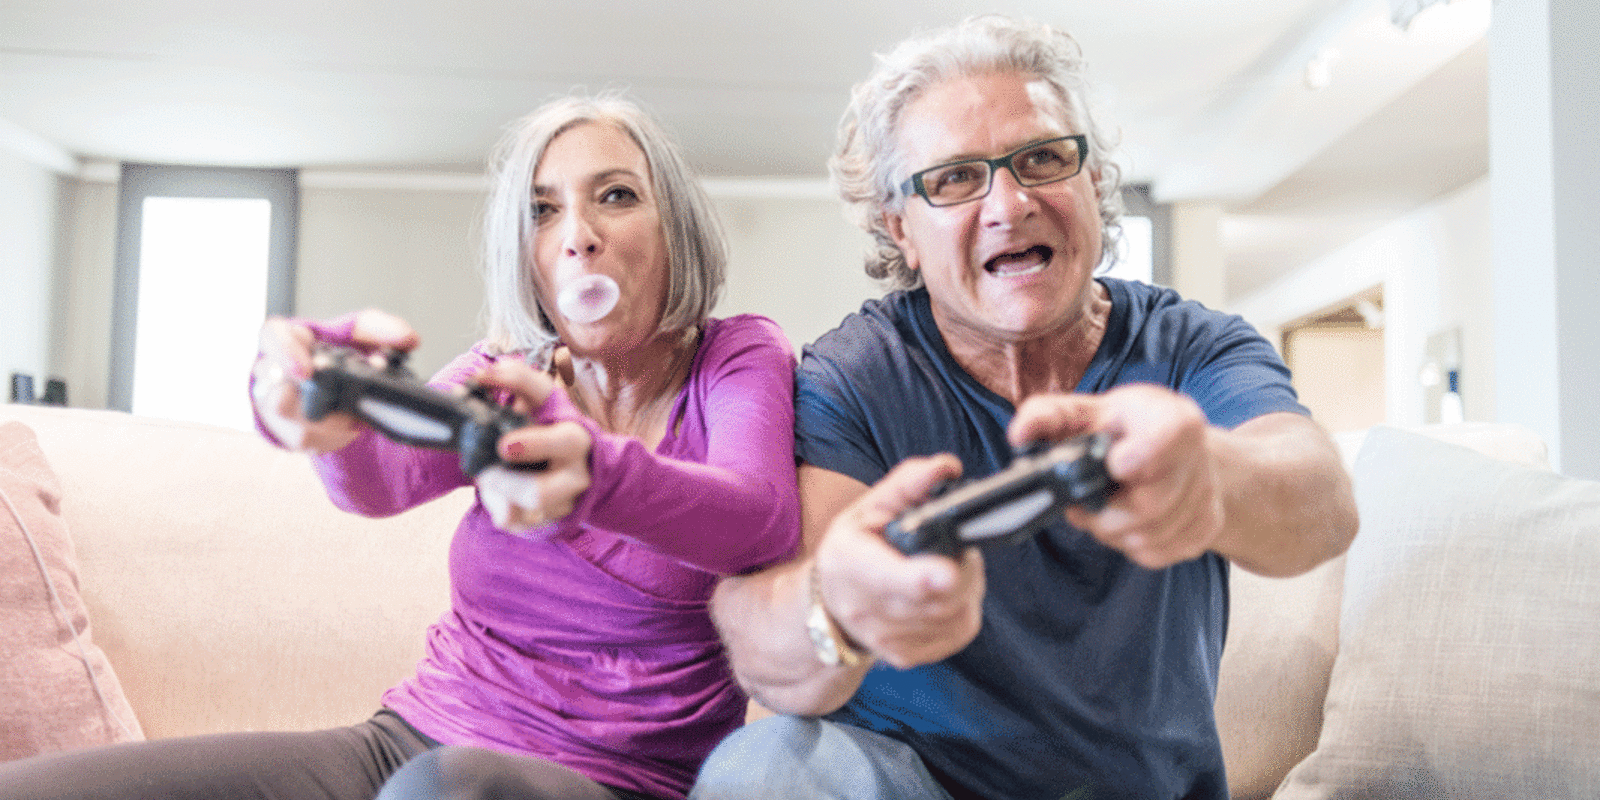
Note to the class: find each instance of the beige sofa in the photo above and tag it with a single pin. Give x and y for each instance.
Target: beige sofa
(226, 593)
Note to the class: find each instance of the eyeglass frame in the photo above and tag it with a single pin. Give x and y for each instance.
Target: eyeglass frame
(914, 185)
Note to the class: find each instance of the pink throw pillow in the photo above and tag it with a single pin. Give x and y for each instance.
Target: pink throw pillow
(57, 690)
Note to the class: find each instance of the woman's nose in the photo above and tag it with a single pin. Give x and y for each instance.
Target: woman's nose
(580, 238)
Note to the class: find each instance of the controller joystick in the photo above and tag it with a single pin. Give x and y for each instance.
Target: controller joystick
(381, 391)
(1012, 504)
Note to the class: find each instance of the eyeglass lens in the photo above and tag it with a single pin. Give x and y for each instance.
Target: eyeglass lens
(968, 180)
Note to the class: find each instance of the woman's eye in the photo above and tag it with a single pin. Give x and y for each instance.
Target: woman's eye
(542, 210)
(619, 194)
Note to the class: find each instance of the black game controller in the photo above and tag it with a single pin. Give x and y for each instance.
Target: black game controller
(391, 399)
(1011, 504)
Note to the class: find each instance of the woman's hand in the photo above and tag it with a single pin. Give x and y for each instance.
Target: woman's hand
(284, 361)
(520, 499)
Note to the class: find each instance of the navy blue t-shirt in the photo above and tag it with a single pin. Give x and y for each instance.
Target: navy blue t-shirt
(1090, 672)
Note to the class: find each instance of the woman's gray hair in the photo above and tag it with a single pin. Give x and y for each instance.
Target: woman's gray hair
(867, 168)
(517, 318)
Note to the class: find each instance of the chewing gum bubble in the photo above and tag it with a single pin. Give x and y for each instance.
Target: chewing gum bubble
(588, 298)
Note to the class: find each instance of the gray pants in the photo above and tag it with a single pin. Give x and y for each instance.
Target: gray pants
(801, 758)
(351, 763)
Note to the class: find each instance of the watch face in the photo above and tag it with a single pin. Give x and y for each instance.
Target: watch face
(821, 637)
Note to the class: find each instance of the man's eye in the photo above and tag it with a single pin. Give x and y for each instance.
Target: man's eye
(1043, 157)
(955, 176)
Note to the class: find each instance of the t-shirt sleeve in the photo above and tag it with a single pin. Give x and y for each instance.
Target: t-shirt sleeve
(834, 428)
(1239, 376)
(1219, 360)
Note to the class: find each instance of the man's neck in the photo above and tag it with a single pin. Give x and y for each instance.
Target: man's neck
(1054, 361)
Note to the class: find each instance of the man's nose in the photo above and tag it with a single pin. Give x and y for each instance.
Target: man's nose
(1007, 199)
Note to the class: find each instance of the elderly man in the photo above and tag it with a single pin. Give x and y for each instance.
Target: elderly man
(1081, 662)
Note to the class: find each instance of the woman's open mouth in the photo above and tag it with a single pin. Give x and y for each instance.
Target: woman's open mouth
(1025, 262)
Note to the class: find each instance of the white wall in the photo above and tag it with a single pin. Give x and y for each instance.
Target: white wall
(1435, 269)
(796, 260)
(29, 195)
(1199, 265)
(81, 340)
(1338, 373)
(1544, 99)
(412, 250)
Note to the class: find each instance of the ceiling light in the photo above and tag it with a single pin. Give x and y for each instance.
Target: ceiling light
(1319, 70)
(1402, 11)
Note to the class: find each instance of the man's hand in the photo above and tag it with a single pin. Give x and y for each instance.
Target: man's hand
(907, 611)
(1170, 506)
(1270, 495)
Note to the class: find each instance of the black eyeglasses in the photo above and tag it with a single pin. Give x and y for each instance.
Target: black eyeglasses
(1033, 165)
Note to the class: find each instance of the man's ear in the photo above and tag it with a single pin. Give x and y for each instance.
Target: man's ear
(896, 225)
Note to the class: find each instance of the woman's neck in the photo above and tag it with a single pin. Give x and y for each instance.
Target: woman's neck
(632, 393)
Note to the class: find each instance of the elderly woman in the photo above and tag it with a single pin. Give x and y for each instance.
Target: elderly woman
(578, 658)
(1081, 661)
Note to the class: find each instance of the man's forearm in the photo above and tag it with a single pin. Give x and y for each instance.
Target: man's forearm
(1287, 499)
(762, 619)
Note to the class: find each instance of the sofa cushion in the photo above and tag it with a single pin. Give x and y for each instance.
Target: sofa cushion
(227, 589)
(57, 690)
(1467, 632)
(1283, 634)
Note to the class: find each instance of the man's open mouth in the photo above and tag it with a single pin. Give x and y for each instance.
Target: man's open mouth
(1025, 262)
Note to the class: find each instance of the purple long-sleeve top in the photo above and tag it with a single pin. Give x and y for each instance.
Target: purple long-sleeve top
(588, 641)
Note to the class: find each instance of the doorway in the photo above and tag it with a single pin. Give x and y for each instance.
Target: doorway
(1337, 359)
(203, 255)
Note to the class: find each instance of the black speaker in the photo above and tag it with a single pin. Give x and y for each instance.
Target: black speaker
(55, 392)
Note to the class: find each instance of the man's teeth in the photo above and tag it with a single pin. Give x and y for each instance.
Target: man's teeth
(1026, 262)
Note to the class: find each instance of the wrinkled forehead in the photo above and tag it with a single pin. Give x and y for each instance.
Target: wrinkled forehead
(974, 116)
(588, 150)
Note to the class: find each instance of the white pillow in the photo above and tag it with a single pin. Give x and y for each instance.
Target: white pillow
(1469, 633)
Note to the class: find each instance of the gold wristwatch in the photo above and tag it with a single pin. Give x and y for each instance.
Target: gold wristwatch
(833, 647)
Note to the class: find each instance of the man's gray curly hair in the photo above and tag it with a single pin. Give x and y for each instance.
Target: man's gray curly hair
(867, 169)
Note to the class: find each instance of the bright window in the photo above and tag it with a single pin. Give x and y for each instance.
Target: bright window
(1136, 252)
(202, 298)
(203, 255)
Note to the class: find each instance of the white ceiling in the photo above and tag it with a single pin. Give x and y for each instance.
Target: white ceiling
(1210, 95)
